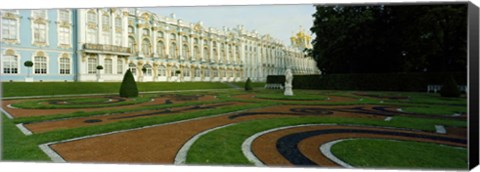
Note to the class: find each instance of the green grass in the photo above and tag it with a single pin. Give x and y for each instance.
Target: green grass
(223, 146)
(32, 141)
(254, 84)
(436, 110)
(14, 89)
(78, 103)
(400, 154)
(296, 97)
(110, 112)
(17, 146)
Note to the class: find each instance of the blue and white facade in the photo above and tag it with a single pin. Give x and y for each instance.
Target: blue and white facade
(68, 45)
(45, 37)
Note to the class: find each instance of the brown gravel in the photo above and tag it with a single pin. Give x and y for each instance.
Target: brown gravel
(264, 147)
(151, 145)
(105, 119)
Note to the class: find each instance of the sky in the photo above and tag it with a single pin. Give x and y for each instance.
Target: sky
(280, 21)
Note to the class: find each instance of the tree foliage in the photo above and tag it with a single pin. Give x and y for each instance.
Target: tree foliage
(382, 38)
(129, 86)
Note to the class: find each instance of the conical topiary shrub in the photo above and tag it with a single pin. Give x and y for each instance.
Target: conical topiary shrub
(129, 86)
(248, 85)
(450, 88)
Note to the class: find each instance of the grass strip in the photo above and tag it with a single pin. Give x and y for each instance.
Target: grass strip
(400, 154)
(17, 146)
(41, 104)
(15, 89)
(110, 112)
(223, 146)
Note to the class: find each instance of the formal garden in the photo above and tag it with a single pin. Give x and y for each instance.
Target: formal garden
(392, 93)
(225, 124)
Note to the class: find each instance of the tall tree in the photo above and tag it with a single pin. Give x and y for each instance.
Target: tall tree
(374, 39)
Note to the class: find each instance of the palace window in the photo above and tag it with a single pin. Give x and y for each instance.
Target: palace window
(197, 72)
(92, 65)
(64, 65)
(160, 49)
(173, 72)
(160, 34)
(91, 27)
(173, 50)
(119, 66)
(106, 34)
(118, 31)
(215, 58)
(148, 71)
(146, 47)
(91, 17)
(207, 72)
(196, 53)
(10, 64)
(118, 38)
(173, 37)
(108, 66)
(215, 73)
(64, 36)
(185, 51)
(40, 32)
(133, 68)
(161, 71)
(106, 22)
(118, 24)
(40, 64)
(64, 16)
(184, 39)
(9, 28)
(205, 53)
(186, 72)
(131, 44)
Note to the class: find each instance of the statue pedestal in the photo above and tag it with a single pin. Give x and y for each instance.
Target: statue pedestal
(288, 90)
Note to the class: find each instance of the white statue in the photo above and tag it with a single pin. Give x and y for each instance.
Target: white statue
(288, 83)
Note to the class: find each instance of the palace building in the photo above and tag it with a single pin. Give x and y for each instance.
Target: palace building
(69, 45)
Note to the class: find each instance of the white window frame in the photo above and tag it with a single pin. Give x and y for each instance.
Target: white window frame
(92, 67)
(162, 71)
(108, 63)
(64, 36)
(17, 59)
(36, 65)
(65, 67)
(36, 31)
(15, 30)
(119, 66)
(149, 71)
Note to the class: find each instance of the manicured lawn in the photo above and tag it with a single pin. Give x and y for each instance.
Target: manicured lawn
(437, 110)
(400, 154)
(254, 84)
(298, 95)
(17, 146)
(14, 89)
(79, 103)
(223, 146)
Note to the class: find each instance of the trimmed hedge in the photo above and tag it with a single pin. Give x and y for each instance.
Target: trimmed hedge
(129, 86)
(450, 88)
(371, 82)
(248, 85)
